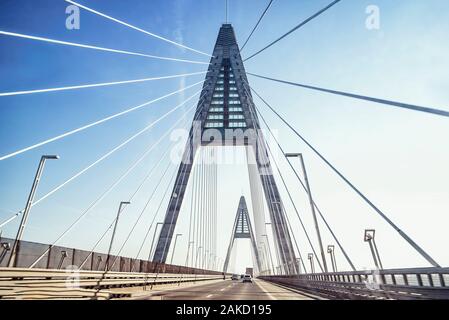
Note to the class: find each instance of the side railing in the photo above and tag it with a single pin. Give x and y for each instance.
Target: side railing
(57, 257)
(411, 283)
(25, 283)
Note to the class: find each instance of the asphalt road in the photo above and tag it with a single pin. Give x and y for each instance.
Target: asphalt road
(229, 290)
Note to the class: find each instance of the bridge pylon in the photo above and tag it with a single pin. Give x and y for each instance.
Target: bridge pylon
(226, 116)
(242, 229)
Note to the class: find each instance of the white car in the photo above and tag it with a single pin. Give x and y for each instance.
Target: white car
(247, 278)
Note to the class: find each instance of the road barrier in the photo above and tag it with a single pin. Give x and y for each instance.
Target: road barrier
(21, 283)
(401, 284)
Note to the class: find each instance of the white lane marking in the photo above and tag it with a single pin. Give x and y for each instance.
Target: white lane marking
(264, 290)
(222, 289)
(210, 295)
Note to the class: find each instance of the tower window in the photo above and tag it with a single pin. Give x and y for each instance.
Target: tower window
(215, 117)
(214, 125)
(237, 124)
(236, 116)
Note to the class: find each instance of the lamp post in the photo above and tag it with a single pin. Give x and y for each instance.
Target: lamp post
(331, 251)
(113, 233)
(310, 257)
(266, 256)
(312, 207)
(211, 260)
(369, 237)
(269, 253)
(215, 263)
(174, 247)
(63, 256)
(197, 253)
(298, 261)
(99, 260)
(26, 211)
(261, 259)
(5, 248)
(188, 253)
(204, 263)
(152, 241)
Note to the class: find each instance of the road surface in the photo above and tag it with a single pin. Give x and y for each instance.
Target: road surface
(229, 290)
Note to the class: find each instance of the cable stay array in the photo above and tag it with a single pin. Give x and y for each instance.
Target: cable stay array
(303, 23)
(152, 194)
(87, 46)
(153, 219)
(95, 123)
(257, 25)
(136, 28)
(150, 173)
(105, 156)
(95, 85)
(434, 111)
(275, 139)
(91, 206)
(266, 160)
(421, 251)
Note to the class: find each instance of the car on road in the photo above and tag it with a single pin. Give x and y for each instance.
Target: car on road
(234, 277)
(247, 278)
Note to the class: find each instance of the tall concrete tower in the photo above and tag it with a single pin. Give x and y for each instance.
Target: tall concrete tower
(226, 116)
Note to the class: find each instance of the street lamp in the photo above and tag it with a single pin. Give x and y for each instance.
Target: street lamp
(331, 251)
(6, 247)
(266, 255)
(113, 232)
(63, 256)
(197, 253)
(152, 241)
(262, 258)
(312, 206)
(99, 260)
(369, 237)
(26, 212)
(204, 263)
(188, 253)
(269, 252)
(174, 247)
(298, 262)
(310, 257)
(211, 266)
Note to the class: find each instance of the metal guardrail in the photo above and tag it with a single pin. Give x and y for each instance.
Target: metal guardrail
(402, 284)
(24, 283)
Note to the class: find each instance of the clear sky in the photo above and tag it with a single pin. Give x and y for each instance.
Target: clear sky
(397, 157)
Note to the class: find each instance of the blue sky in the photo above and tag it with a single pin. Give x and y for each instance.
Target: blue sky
(398, 157)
